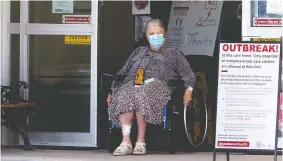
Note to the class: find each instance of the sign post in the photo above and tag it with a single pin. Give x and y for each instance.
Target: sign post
(248, 97)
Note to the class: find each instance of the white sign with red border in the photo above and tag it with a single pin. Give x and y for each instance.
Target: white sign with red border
(140, 7)
(78, 19)
(247, 98)
(262, 21)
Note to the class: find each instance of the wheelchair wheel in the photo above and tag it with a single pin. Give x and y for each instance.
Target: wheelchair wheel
(195, 119)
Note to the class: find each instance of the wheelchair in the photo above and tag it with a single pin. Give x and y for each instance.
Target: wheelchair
(172, 118)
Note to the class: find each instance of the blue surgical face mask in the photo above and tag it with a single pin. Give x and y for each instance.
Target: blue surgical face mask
(156, 40)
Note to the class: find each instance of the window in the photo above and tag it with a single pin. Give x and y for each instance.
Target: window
(15, 11)
(261, 18)
(72, 12)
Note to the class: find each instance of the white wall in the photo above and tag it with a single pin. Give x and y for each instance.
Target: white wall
(7, 136)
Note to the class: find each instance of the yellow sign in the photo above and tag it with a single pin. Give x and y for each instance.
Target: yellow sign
(78, 39)
(266, 39)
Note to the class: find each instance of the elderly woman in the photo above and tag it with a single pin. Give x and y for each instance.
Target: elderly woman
(145, 90)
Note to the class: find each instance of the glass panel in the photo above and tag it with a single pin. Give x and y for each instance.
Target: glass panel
(15, 12)
(60, 82)
(259, 16)
(15, 55)
(53, 12)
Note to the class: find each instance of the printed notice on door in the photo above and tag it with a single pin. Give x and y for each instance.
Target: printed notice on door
(247, 103)
(62, 6)
(77, 39)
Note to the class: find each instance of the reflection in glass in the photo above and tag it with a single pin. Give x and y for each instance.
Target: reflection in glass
(15, 58)
(41, 11)
(258, 9)
(60, 82)
(15, 11)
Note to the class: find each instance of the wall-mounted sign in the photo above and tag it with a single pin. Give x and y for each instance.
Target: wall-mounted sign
(265, 39)
(78, 39)
(181, 3)
(140, 7)
(263, 21)
(76, 19)
(62, 6)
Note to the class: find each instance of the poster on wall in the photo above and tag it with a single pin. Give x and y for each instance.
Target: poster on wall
(193, 26)
(62, 6)
(140, 7)
(244, 110)
(179, 12)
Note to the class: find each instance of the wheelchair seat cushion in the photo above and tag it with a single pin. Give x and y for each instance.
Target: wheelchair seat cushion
(149, 100)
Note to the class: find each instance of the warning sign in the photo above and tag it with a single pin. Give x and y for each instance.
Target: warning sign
(78, 39)
(244, 110)
(265, 39)
(260, 21)
(76, 19)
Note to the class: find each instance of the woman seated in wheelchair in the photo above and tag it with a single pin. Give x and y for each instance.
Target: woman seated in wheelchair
(145, 90)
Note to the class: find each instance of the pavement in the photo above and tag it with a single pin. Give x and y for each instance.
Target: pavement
(90, 155)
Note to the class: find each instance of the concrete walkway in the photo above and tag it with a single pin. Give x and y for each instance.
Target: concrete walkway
(74, 155)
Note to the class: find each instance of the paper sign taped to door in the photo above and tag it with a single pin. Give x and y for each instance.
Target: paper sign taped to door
(265, 39)
(78, 39)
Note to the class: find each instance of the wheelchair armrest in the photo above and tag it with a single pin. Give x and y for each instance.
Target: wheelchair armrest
(117, 78)
(176, 84)
(177, 87)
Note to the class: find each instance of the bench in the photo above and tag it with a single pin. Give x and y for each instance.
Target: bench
(15, 111)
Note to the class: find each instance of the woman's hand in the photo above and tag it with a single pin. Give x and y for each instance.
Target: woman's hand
(187, 98)
(108, 100)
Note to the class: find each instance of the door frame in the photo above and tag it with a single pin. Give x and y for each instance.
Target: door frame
(24, 28)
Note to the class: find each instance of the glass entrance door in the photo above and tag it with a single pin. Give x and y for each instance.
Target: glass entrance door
(58, 58)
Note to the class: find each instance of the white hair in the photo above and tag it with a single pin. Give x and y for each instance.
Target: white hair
(154, 22)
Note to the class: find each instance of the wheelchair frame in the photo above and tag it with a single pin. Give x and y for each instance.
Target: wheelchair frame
(170, 114)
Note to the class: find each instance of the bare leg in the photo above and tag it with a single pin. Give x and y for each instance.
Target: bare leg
(126, 119)
(141, 128)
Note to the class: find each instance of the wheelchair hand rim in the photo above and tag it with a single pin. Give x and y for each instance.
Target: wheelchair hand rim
(186, 129)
